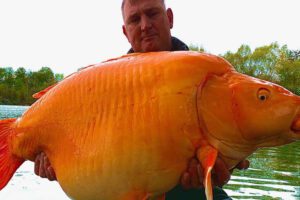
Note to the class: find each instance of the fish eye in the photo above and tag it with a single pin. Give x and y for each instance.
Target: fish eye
(263, 94)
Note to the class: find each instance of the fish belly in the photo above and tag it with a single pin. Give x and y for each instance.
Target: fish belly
(116, 130)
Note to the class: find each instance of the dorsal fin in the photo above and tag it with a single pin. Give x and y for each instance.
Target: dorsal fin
(44, 91)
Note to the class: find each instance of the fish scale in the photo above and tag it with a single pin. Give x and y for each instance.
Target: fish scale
(126, 129)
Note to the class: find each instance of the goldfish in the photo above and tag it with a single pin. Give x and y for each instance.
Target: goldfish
(126, 128)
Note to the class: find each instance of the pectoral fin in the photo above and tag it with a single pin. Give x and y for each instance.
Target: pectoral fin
(207, 156)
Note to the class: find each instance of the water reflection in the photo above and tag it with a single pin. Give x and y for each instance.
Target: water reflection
(274, 174)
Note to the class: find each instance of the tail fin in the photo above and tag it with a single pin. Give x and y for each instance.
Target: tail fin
(8, 162)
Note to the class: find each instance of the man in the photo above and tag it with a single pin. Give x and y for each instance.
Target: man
(147, 26)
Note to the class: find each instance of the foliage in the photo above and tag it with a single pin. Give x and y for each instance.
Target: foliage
(271, 62)
(194, 47)
(288, 69)
(17, 87)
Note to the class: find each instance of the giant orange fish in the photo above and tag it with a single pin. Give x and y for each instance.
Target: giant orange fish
(125, 129)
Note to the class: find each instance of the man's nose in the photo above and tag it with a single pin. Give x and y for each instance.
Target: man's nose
(145, 23)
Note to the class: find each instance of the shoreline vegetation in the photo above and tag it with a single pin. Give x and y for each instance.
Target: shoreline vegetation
(271, 62)
(17, 87)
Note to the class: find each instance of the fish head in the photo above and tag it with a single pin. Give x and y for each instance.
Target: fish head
(242, 111)
(266, 113)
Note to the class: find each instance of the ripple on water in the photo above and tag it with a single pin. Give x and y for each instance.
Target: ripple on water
(7, 111)
(274, 174)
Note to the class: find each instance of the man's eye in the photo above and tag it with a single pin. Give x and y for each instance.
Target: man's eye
(152, 14)
(133, 20)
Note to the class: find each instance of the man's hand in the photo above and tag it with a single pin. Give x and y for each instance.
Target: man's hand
(42, 167)
(193, 177)
(242, 165)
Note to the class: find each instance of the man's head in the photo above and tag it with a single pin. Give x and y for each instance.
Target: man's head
(147, 25)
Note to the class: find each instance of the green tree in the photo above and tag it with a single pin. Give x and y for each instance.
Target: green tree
(59, 77)
(241, 60)
(40, 80)
(7, 84)
(265, 59)
(288, 70)
(194, 47)
(17, 87)
(271, 62)
(21, 86)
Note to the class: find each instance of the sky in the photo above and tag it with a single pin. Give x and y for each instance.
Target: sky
(69, 34)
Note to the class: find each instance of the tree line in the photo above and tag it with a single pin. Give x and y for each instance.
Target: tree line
(17, 87)
(271, 62)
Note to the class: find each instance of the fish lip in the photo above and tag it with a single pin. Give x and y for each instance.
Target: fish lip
(296, 125)
(297, 132)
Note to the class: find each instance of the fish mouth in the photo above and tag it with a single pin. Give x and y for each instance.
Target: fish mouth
(296, 126)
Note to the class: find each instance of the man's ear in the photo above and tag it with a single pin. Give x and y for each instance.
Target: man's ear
(124, 31)
(170, 17)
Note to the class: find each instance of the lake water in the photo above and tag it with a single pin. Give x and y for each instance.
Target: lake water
(274, 174)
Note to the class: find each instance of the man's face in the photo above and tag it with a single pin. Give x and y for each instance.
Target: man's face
(147, 25)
